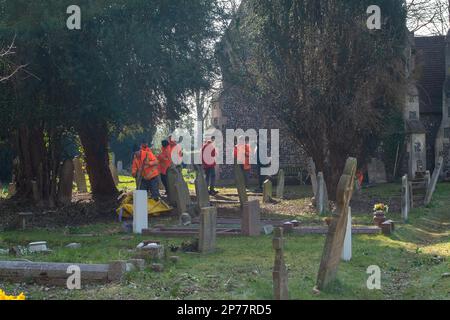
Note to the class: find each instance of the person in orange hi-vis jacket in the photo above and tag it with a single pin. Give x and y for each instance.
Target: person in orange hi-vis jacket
(242, 153)
(145, 170)
(165, 161)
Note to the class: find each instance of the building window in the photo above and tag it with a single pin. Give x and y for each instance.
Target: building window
(412, 115)
(447, 133)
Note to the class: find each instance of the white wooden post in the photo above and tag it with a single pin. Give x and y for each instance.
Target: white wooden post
(140, 209)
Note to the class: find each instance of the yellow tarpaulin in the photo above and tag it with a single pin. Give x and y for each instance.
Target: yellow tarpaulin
(155, 208)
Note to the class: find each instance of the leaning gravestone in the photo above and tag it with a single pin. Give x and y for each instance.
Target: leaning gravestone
(114, 173)
(80, 178)
(347, 250)
(312, 174)
(201, 189)
(180, 200)
(280, 184)
(207, 237)
(240, 184)
(336, 233)
(280, 274)
(66, 183)
(406, 201)
(267, 191)
(251, 219)
(172, 178)
(434, 181)
(322, 202)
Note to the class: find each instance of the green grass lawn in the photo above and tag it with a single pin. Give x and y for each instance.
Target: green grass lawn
(413, 261)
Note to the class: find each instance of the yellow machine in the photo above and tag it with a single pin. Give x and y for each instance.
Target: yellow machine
(155, 208)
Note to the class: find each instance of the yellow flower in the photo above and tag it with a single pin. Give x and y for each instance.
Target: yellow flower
(4, 296)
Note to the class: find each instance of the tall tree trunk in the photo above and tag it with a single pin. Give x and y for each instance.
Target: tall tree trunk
(94, 138)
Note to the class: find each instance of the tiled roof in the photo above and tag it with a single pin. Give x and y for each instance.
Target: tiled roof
(430, 64)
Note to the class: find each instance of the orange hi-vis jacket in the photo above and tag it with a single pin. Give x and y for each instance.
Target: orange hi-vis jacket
(242, 155)
(165, 159)
(145, 160)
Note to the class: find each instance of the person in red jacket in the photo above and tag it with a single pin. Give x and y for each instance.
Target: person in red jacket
(242, 153)
(165, 161)
(209, 154)
(145, 170)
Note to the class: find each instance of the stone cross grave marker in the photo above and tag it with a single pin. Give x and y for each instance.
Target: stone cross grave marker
(280, 184)
(140, 211)
(434, 181)
(334, 242)
(251, 219)
(280, 274)
(240, 184)
(313, 175)
(201, 189)
(66, 183)
(347, 250)
(267, 191)
(80, 178)
(208, 226)
(406, 201)
(322, 202)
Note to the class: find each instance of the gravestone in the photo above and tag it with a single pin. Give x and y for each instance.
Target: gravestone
(434, 180)
(66, 182)
(267, 191)
(140, 211)
(322, 203)
(172, 178)
(347, 250)
(208, 225)
(376, 171)
(180, 199)
(114, 173)
(120, 167)
(280, 184)
(313, 175)
(251, 219)
(240, 184)
(279, 274)
(334, 242)
(80, 178)
(406, 201)
(201, 189)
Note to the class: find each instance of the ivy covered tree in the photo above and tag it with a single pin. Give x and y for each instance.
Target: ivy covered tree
(131, 63)
(317, 67)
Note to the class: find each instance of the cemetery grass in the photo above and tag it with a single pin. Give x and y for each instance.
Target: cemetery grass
(413, 260)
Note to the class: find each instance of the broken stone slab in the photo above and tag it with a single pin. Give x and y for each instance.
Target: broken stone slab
(154, 250)
(251, 219)
(40, 246)
(74, 245)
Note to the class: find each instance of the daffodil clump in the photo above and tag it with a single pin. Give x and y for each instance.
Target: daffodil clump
(4, 296)
(381, 207)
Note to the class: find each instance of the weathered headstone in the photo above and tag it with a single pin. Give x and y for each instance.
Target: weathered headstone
(434, 180)
(336, 232)
(267, 191)
(347, 250)
(172, 178)
(114, 173)
(36, 193)
(251, 219)
(140, 211)
(406, 201)
(280, 274)
(80, 178)
(240, 184)
(280, 184)
(120, 167)
(201, 189)
(208, 225)
(322, 203)
(66, 183)
(180, 199)
(376, 171)
(313, 175)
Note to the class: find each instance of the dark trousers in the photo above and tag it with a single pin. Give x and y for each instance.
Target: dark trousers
(211, 178)
(151, 186)
(165, 182)
(246, 176)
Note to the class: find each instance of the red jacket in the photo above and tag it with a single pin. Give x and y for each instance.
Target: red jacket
(165, 160)
(209, 155)
(242, 155)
